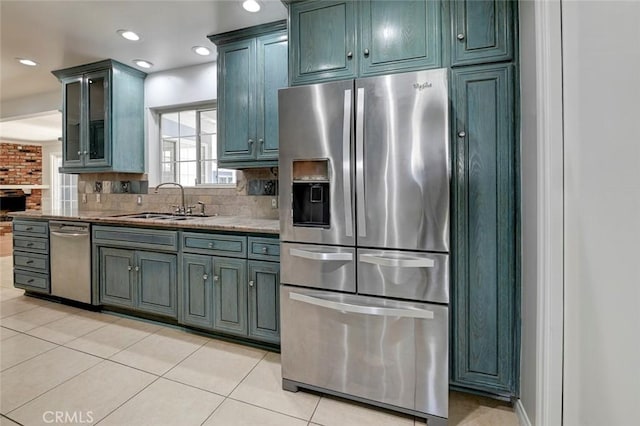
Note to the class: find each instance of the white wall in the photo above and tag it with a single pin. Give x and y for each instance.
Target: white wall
(181, 86)
(48, 148)
(601, 59)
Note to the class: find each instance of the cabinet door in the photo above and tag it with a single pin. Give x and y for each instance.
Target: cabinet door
(484, 326)
(97, 137)
(272, 65)
(117, 277)
(398, 36)
(264, 301)
(230, 295)
(236, 101)
(196, 307)
(482, 31)
(323, 41)
(71, 122)
(157, 283)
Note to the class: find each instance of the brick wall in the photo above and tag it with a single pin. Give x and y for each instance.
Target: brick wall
(22, 165)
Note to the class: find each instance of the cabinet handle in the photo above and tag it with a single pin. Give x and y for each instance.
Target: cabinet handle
(129, 268)
(86, 152)
(29, 228)
(260, 141)
(215, 278)
(366, 52)
(79, 153)
(349, 55)
(462, 134)
(460, 36)
(29, 262)
(251, 283)
(29, 244)
(250, 142)
(137, 268)
(210, 245)
(205, 277)
(265, 250)
(30, 281)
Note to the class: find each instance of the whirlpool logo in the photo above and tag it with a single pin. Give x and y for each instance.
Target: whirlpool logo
(422, 86)
(67, 417)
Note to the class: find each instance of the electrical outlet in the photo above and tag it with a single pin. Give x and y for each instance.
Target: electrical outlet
(84, 198)
(274, 203)
(139, 200)
(98, 197)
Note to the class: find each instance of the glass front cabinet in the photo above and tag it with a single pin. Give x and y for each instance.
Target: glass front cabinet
(102, 118)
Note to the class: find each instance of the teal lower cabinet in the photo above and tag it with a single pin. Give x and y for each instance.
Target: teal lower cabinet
(234, 294)
(264, 300)
(31, 255)
(485, 338)
(136, 269)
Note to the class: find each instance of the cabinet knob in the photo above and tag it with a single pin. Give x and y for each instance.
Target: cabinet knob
(462, 134)
(460, 36)
(205, 277)
(129, 268)
(137, 268)
(215, 278)
(265, 250)
(210, 245)
(251, 283)
(79, 152)
(250, 141)
(260, 141)
(349, 55)
(366, 52)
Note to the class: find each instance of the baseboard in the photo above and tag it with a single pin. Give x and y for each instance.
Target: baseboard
(522, 414)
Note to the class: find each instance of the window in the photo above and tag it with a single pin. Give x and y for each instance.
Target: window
(64, 194)
(188, 148)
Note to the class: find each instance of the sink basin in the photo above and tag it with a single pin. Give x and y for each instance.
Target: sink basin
(159, 216)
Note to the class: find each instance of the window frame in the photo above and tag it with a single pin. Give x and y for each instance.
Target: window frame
(198, 108)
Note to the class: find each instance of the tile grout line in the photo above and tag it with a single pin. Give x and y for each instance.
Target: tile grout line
(129, 399)
(10, 419)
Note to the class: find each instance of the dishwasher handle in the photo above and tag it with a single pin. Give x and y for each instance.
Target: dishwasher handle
(69, 234)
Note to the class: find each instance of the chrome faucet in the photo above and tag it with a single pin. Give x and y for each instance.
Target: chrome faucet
(180, 209)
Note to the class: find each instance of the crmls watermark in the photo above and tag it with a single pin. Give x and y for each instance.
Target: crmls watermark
(68, 417)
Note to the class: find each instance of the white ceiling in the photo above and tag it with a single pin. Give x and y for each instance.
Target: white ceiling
(60, 34)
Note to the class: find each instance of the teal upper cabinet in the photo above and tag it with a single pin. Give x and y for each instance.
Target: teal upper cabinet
(252, 66)
(332, 40)
(399, 36)
(102, 118)
(482, 31)
(484, 283)
(323, 41)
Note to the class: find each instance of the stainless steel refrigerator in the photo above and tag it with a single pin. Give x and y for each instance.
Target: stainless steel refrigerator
(364, 224)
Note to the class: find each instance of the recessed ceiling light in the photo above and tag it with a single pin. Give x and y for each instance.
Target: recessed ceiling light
(142, 63)
(251, 5)
(129, 35)
(27, 62)
(201, 50)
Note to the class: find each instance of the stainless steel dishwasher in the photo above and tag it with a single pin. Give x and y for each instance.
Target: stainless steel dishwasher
(70, 245)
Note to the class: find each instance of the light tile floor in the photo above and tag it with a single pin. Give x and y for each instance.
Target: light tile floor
(105, 369)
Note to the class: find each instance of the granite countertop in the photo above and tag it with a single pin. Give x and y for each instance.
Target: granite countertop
(219, 223)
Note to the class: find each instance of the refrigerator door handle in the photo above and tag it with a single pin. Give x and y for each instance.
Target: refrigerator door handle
(346, 163)
(362, 225)
(397, 263)
(360, 309)
(314, 255)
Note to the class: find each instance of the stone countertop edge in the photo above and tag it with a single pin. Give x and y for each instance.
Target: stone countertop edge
(216, 223)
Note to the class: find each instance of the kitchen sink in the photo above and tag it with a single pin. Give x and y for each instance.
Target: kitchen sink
(160, 216)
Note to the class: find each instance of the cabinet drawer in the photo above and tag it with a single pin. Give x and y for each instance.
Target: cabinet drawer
(36, 245)
(31, 281)
(264, 248)
(31, 227)
(223, 245)
(32, 261)
(136, 237)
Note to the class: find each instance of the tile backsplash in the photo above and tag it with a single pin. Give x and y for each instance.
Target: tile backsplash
(120, 192)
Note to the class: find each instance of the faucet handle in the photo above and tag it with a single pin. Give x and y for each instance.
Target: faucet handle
(178, 209)
(190, 209)
(201, 204)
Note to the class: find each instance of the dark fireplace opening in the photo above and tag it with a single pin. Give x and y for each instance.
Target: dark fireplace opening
(11, 200)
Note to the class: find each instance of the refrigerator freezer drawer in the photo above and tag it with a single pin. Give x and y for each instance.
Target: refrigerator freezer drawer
(386, 351)
(404, 275)
(324, 267)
